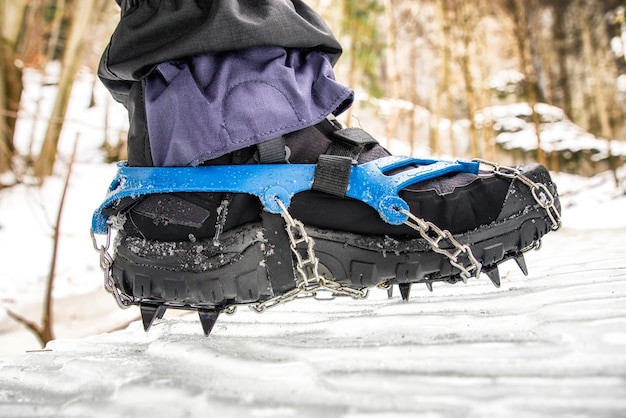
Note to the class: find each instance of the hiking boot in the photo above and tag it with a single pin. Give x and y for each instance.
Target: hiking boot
(211, 251)
(319, 208)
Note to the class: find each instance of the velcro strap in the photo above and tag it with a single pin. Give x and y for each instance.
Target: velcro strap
(272, 151)
(332, 174)
(354, 136)
(350, 142)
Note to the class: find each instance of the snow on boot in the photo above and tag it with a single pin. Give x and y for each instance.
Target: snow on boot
(192, 248)
(320, 207)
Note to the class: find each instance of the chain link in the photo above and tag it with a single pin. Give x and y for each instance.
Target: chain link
(435, 236)
(540, 191)
(308, 277)
(106, 263)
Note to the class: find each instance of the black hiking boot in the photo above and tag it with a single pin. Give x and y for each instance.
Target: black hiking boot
(213, 249)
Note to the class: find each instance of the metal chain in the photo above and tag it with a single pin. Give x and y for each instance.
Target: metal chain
(540, 191)
(308, 280)
(435, 236)
(106, 263)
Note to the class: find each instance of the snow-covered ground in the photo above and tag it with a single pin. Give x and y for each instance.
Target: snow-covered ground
(550, 344)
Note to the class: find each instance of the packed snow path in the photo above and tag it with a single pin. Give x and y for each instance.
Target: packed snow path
(550, 344)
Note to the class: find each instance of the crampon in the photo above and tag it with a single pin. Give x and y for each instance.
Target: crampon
(277, 258)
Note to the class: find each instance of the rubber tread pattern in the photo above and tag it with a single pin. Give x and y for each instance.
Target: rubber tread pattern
(354, 260)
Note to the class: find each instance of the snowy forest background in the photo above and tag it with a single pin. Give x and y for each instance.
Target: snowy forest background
(507, 80)
(442, 76)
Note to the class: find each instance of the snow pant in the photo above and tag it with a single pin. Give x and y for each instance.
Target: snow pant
(201, 79)
(155, 31)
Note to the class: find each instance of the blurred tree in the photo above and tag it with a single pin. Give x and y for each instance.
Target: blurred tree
(393, 75)
(559, 49)
(84, 15)
(441, 49)
(520, 10)
(467, 22)
(413, 29)
(360, 24)
(602, 98)
(11, 18)
(444, 11)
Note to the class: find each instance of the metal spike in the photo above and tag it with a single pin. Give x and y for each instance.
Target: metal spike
(521, 263)
(208, 318)
(149, 313)
(390, 292)
(494, 276)
(161, 312)
(405, 291)
(429, 285)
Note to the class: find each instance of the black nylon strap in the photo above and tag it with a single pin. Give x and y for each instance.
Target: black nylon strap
(278, 260)
(350, 142)
(272, 151)
(332, 174)
(354, 136)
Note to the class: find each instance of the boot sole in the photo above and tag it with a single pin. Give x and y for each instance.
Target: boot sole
(202, 275)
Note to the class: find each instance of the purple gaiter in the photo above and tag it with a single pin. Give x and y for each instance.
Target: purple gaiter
(206, 106)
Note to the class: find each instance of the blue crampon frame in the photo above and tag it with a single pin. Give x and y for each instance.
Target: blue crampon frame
(368, 182)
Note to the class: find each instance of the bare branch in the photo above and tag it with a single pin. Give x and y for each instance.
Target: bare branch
(31, 325)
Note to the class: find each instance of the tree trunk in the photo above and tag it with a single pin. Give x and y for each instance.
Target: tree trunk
(520, 17)
(598, 94)
(482, 41)
(413, 62)
(55, 30)
(350, 27)
(443, 84)
(391, 127)
(11, 18)
(467, 27)
(560, 40)
(82, 18)
(360, 23)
